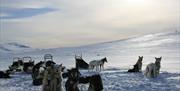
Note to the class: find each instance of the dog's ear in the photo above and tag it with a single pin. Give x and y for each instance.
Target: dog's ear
(155, 58)
(142, 56)
(139, 56)
(161, 57)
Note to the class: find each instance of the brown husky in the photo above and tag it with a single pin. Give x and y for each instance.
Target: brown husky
(52, 78)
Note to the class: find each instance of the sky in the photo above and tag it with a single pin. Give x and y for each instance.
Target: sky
(67, 23)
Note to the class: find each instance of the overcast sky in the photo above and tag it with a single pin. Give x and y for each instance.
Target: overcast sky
(64, 23)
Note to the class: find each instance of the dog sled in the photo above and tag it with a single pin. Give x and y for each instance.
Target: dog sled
(17, 64)
(48, 57)
(22, 64)
(80, 63)
(28, 64)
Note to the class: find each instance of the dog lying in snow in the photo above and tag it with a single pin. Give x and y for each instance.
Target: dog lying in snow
(4, 74)
(75, 78)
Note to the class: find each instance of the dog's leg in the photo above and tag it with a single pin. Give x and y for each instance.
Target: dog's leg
(103, 66)
(155, 71)
(146, 71)
(100, 67)
(96, 67)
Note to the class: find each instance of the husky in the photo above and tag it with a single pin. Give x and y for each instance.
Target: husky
(75, 78)
(95, 82)
(152, 69)
(52, 80)
(38, 73)
(4, 74)
(137, 66)
(97, 63)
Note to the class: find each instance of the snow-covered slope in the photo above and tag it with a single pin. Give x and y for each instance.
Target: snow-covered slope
(121, 55)
(13, 47)
(9, 49)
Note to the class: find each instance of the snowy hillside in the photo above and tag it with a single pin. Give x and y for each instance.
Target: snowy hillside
(9, 49)
(121, 55)
(13, 47)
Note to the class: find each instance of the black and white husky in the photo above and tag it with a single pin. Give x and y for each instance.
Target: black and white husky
(152, 69)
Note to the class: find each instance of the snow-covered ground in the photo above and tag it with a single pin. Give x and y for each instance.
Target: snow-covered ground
(121, 55)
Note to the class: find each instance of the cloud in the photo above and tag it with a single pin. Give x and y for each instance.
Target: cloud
(80, 22)
(13, 13)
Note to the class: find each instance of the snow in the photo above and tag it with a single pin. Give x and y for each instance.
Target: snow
(14, 47)
(121, 55)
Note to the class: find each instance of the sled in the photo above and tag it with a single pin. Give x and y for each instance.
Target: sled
(28, 64)
(16, 65)
(48, 57)
(80, 63)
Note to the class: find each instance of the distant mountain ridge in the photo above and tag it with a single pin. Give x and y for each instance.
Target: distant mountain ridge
(14, 47)
(18, 45)
(148, 40)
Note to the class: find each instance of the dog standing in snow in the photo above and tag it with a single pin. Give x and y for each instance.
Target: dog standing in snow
(52, 80)
(152, 69)
(97, 63)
